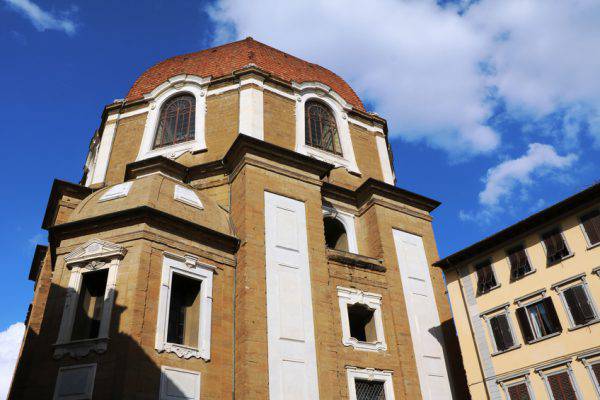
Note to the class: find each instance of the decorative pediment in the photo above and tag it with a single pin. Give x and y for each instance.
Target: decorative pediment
(95, 249)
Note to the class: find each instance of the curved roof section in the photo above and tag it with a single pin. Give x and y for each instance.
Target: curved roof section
(224, 60)
(158, 192)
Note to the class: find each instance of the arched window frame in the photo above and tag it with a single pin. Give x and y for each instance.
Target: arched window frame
(175, 86)
(347, 219)
(339, 107)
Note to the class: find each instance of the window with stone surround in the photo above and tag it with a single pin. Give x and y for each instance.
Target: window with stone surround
(590, 222)
(555, 245)
(321, 128)
(176, 123)
(519, 262)
(185, 307)
(88, 306)
(560, 382)
(577, 301)
(517, 387)
(361, 319)
(500, 329)
(486, 279)
(369, 384)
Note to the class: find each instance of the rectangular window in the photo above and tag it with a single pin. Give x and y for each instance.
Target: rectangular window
(90, 304)
(591, 226)
(486, 280)
(501, 331)
(538, 320)
(519, 263)
(561, 386)
(184, 311)
(362, 322)
(556, 247)
(595, 369)
(579, 305)
(369, 390)
(520, 391)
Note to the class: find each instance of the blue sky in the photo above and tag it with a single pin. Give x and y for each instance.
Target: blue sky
(492, 106)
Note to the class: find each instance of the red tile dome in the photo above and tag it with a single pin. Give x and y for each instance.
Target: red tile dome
(224, 60)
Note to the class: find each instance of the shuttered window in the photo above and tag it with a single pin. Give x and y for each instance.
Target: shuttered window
(502, 332)
(485, 277)
(519, 392)
(369, 390)
(562, 387)
(579, 305)
(591, 225)
(596, 372)
(519, 263)
(538, 320)
(556, 248)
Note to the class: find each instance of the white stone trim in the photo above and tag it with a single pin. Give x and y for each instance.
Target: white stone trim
(348, 296)
(315, 90)
(347, 219)
(487, 316)
(190, 267)
(176, 85)
(369, 374)
(133, 113)
(92, 158)
(93, 256)
(251, 106)
(88, 389)
(187, 196)
(115, 192)
(384, 159)
(588, 364)
(170, 375)
(103, 155)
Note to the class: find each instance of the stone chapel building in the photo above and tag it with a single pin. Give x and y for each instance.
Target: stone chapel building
(237, 234)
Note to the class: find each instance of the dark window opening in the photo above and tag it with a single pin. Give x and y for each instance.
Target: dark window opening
(177, 120)
(486, 280)
(561, 386)
(538, 320)
(321, 129)
(184, 311)
(591, 224)
(519, 263)
(369, 390)
(556, 248)
(90, 304)
(501, 331)
(335, 234)
(362, 322)
(579, 305)
(519, 392)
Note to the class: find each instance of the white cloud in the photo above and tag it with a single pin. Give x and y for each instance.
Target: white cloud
(502, 180)
(43, 20)
(430, 69)
(10, 345)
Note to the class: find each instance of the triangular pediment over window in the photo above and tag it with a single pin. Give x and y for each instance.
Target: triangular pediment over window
(95, 249)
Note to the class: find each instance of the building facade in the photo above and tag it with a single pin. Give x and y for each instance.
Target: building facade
(237, 234)
(526, 304)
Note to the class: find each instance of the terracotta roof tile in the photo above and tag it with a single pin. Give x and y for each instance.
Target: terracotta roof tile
(223, 60)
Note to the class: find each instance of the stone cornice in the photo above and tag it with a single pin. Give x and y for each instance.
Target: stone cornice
(145, 214)
(59, 189)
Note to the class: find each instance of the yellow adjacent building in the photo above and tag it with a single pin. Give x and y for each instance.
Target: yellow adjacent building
(526, 304)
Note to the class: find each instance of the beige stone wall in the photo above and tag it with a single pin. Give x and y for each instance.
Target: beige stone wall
(279, 120)
(569, 343)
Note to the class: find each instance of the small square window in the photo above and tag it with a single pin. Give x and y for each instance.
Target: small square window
(362, 322)
(369, 390)
(556, 246)
(501, 332)
(519, 262)
(591, 227)
(486, 280)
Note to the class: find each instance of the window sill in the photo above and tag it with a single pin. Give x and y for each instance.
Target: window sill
(368, 346)
(593, 246)
(551, 263)
(524, 275)
(182, 351)
(489, 290)
(80, 348)
(323, 155)
(506, 351)
(592, 322)
(173, 151)
(544, 337)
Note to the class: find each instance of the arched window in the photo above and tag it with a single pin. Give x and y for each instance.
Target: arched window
(321, 129)
(176, 123)
(335, 234)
